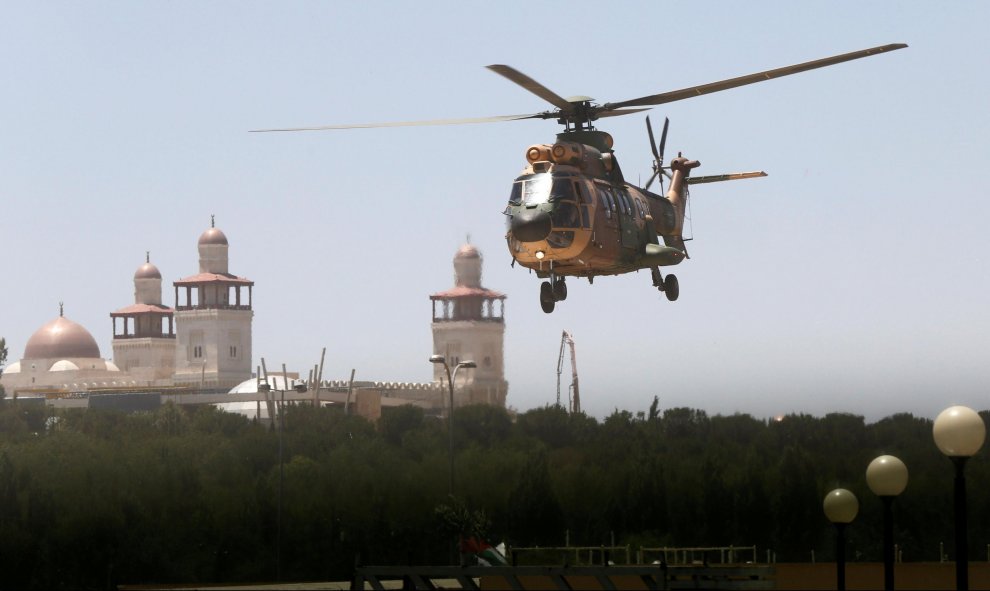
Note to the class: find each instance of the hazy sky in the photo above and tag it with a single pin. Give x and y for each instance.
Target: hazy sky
(854, 278)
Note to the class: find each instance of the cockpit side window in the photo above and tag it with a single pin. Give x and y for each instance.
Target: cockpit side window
(563, 188)
(566, 215)
(515, 197)
(582, 192)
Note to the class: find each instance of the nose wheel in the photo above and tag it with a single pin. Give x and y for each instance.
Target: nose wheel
(551, 292)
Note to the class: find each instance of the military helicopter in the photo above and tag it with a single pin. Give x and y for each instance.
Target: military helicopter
(571, 211)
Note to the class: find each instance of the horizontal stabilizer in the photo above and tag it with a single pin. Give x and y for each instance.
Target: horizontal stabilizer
(715, 178)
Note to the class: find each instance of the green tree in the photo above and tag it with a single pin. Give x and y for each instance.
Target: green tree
(535, 513)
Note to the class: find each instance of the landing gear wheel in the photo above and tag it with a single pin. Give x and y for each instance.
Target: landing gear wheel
(671, 288)
(547, 302)
(559, 290)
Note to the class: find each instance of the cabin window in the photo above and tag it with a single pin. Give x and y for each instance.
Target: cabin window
(624, 200)
(606, 197)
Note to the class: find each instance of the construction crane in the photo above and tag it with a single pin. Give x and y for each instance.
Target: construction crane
(573, 396)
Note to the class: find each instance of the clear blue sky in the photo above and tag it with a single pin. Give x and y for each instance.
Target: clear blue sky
(854, 278)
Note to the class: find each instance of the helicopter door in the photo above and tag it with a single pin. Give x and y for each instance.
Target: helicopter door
(627, 223)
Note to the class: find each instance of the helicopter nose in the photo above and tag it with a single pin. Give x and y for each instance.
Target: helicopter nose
(530, 225)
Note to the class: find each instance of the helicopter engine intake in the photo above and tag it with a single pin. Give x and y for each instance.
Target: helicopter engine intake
(538, 153)
(568, 153)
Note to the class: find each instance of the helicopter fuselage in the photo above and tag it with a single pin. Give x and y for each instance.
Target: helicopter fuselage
(571, 213)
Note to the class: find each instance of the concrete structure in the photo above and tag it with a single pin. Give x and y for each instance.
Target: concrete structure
(144, 346)
(469, 324)
(213, 317)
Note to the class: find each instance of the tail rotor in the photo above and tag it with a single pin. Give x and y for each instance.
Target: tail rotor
(658, 169)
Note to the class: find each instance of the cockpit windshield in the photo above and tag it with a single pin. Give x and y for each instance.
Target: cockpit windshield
(541, 188)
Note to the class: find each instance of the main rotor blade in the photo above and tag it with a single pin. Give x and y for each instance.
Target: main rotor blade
(494, 119)
(715, 178)
(533, 86)
(617, 112)
(684, 93)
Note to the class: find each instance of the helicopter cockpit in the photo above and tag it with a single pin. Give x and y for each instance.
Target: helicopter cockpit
(548, 206)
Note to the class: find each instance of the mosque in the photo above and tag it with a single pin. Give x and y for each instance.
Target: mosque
(204, 343)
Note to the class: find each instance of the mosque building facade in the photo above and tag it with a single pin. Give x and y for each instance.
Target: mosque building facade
(204, 343)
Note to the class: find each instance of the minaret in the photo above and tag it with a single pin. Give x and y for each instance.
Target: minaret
(144, 341)
(469, 324)
(213, 316)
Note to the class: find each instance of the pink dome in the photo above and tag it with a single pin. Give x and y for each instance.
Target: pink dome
(468, 251)
(147, 271)
(213, 236)
(61, 339)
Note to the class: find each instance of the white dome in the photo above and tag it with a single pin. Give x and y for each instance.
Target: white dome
(12, 368)
(277, 382)
(249, 408)
(111, 366)
(63, 365)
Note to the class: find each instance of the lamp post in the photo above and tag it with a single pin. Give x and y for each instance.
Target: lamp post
(959, 433)
(887, 477)
(450, 411)
(266, 387)
(841, 508)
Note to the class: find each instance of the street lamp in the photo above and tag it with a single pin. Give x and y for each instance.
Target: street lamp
(279, 416)
(959, 433)
(887, 477)
(450, 411)
(841, 508)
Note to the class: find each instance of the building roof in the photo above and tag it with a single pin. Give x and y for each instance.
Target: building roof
(213, 278)
(61, 339)
(134, 309)
(468, 292)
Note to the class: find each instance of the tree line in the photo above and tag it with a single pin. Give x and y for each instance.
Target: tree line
(93, 498)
